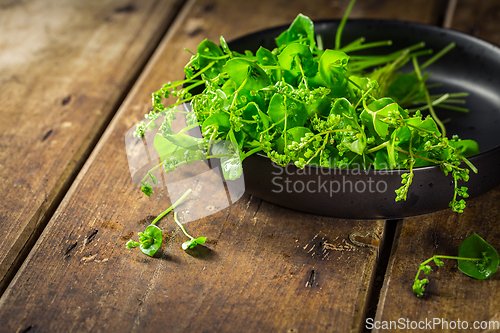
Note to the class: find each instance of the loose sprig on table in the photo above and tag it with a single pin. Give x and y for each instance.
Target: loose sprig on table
(476, 258)
(192, 242)
(302, 104)
(151, 239)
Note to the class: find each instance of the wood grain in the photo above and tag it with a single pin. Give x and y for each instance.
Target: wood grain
(64, 68)
(479, 19)
(264, 268)
(450, 295)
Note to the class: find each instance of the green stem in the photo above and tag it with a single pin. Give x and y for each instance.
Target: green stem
(185, 129)
(271, 67)
(178, 83)
(437, 256)
(438, 55)
(354, 43)
(418, 156)
(428, 99)
(469, 164)
(454, 108)
(380, 146)
(172, 207)
(323, 133)
(301, 70)
(363, 98)
(320, 149)
(251, 152)
(366, 46)
(179, 102)
(432, 102)
(338, 35)
(198, 83)
(181, 226)
(153, 169)
(214, 58)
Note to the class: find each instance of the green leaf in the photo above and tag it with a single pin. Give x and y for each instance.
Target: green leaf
(374, 119)
(247, 74)
(358, 145)
(380, 103)
(131, 244)
(430, 125)
(332, 68)
(301, 29)
(164, 147)
(466, 148)
(357, 82)
(224, 45)
(381, 161)
(320, 107)
(402, 135)
(295, 111)
(231, 167)
(250, 111)
(419, 286)
(266, 57)
(210, 50)
(476, 247)
(298, 133)
(295, 54)
(266, 120)
(341, 107)
(391, 153)
(427, 269)
(220, 119)
(185, 141)
(402, 86)
(155, 238)
(427, 124)
(146, 188)
(230, 159)
(438, 262)
(193, 242)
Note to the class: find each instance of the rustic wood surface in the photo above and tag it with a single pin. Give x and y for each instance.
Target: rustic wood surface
(263, 269)
(478, 18)
(450, 295)
(64, 70)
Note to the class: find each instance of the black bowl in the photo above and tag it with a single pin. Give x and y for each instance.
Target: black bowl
(471, 67)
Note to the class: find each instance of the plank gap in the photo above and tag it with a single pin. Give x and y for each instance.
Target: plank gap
(388, 271)
(384, 255)
(450, 12)
(47, 210)
(440, 12)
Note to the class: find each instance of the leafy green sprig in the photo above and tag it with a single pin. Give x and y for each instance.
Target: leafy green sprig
(151, 239)
(476, 258)
(192, 242)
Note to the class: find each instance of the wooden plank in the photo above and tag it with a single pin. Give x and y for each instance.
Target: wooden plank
(450, 296)
(63, 70)
(264, 268)
(478, 18)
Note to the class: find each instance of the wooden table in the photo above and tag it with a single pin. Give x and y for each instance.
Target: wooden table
(76, 75)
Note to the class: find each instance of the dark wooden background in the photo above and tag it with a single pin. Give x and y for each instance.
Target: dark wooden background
(77, 75)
